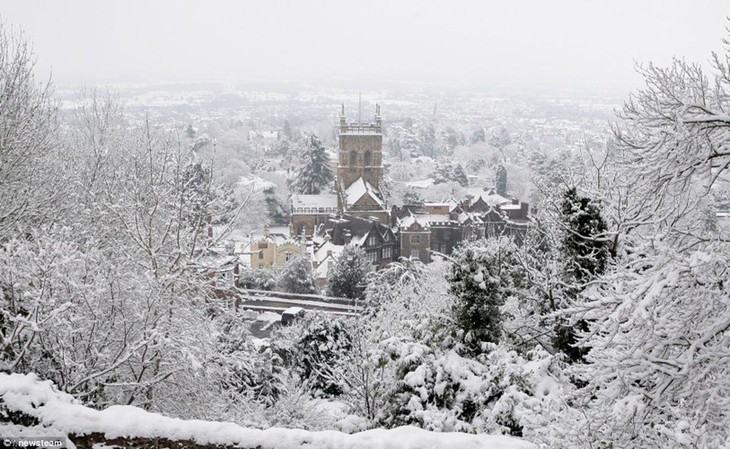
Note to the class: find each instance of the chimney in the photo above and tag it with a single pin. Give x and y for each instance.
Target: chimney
(524, 210)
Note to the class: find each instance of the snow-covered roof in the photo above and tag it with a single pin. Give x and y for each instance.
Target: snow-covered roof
(328, 247)
(510, 207)
(322, 200)
(489, 197)
(421, 183)
(314, 204)
(412, 219)
(360, 188)
(436, 218)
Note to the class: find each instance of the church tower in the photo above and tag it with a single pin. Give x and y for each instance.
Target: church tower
(360, 152)
(360, 168)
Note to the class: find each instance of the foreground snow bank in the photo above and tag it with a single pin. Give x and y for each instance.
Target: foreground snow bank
(61, 414)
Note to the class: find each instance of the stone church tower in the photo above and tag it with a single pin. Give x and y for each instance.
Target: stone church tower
(361, 151)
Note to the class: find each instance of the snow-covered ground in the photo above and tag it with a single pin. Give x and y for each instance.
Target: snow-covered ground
(58, 413)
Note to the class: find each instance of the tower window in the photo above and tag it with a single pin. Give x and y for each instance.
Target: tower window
(367, 158)
(353, 158)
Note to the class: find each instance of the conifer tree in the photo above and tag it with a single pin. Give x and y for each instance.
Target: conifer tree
(349, 277)
(585, 255)
(501, 180)
(297, 277)
(314, 173)
(459, 175)
(481, 278)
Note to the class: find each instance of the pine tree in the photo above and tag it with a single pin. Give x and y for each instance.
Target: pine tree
(585, 254)
(585, 250)
(278, 213)
(481, 278)
(459, 175)
(501, 180)
(349, 277)
(427, 138)
(314, 173)
(297, 277)
(478, 136)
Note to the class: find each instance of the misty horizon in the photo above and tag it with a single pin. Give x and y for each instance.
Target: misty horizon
(567, 46)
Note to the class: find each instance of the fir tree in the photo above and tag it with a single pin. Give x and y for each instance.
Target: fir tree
(482, 276)
(427, 138)
(278, 213)
(478, 136)
(459, 175)
(314, 173)
(585, 255)
(297, 277)
(501, 180)
(349, 277)
(585, 250)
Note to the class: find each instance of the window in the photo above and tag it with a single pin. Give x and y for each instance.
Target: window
(372, 240)
(387, 252)
(353, 158)
(415, 254)
(372, 256)
(367, 158)
(263, 245)
(261, 254)
(415, 239)
(287, 256)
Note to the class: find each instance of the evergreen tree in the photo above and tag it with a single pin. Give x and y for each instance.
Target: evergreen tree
(427, 138)
(258, 279)
(190, 131)
(585, 249)
(314, 173)
(500, 139)
(459, 175)
(319, 342)
(585, 253)
(501, 180)
(349, 277)
(478, 136)
(278, 213)
(482, 276)
(413, 198)
(297, 277)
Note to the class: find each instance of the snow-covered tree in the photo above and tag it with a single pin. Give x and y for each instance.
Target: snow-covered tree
(314, 173)
(296, 277)
(349, 277)
(501, 177)
(28, 123)
(584, 252)
(482, 276)
(314, 345)
(500, 138)
(657, 371)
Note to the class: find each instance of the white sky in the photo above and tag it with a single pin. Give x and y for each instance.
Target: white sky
(537, 43)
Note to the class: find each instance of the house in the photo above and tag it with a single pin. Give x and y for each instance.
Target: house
(324, 258)
(378, 240)
(311, 211)
(275, 249)
(415, 237)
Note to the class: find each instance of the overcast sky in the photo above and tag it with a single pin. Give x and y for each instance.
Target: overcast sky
(552, 44)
